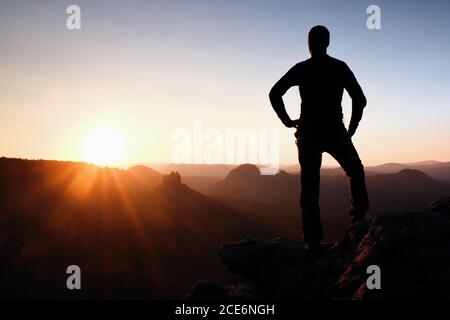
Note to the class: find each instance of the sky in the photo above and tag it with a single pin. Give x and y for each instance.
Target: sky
(144, 69)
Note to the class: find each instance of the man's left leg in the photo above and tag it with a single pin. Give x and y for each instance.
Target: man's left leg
(342, 149)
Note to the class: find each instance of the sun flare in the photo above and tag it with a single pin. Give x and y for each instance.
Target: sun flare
(104, 146)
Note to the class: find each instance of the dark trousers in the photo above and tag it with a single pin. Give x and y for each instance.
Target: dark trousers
(339, 145)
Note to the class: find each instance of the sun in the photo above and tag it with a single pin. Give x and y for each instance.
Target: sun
(104, 146)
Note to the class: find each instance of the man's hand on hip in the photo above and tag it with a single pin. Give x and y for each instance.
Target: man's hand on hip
(292, 123)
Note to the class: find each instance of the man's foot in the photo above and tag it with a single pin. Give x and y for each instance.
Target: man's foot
(357, 215)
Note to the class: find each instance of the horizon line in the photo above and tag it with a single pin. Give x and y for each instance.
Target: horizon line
(129, 165)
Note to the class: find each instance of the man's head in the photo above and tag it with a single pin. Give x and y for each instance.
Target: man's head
(318, 40)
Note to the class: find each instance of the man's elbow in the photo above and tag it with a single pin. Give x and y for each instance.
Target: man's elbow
(364, 101)
(273, 94)
(361, 102)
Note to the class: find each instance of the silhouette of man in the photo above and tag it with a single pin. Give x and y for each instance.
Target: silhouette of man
(322, 80)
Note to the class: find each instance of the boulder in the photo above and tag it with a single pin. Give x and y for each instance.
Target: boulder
(412, 250)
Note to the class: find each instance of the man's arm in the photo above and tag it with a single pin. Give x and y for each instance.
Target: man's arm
(358, 100)
(276, 94)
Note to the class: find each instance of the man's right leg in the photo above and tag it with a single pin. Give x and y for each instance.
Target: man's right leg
(310, 159)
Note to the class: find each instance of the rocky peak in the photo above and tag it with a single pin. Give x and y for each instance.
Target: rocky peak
(412, 250)
(172, 179)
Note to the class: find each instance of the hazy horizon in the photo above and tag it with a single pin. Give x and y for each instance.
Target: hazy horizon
(156, 165)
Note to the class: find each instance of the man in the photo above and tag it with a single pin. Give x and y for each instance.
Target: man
(322, 80)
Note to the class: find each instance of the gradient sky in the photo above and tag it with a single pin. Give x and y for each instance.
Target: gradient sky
(150, 67)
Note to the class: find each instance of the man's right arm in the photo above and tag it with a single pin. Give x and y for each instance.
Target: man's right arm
(276, 94)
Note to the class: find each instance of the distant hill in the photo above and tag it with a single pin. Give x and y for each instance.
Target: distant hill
(391, 167)
(200, 184)
(246, 182)
(130, 239)
(197, 170)
(203, 176)
(245, 188)
(146, 175)
(439, 171)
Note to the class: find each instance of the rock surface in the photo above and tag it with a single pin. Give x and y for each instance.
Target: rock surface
(412, 250)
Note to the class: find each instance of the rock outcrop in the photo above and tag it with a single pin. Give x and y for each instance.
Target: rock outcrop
(412, 250)
(172, 179)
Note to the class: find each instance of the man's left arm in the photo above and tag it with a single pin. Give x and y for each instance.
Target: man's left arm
(359, 101)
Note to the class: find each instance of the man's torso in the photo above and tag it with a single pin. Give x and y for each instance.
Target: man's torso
(321, 82)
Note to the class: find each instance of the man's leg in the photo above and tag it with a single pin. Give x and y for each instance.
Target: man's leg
(310, 159)
(342, 149)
